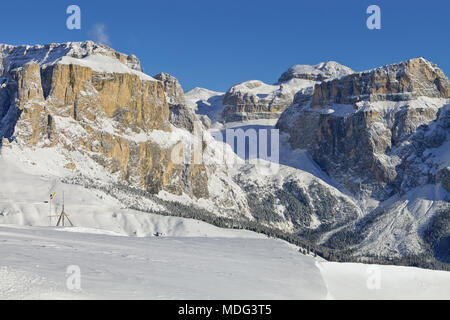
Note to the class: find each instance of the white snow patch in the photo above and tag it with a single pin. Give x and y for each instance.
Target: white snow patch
(104, 64)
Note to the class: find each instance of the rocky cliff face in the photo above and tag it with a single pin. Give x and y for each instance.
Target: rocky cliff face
(173, 90)
(383, 135)
(357, 127)
(181, 116)
(256, 100)
(398, 82)
(89, 99)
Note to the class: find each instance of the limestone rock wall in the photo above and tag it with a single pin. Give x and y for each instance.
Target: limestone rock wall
(398, 82)
(364, 129)
(106, 116)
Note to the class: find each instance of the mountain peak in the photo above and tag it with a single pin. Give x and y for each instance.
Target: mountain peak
(413, 66)
(395, 82)
(12, 57)
(319, 72)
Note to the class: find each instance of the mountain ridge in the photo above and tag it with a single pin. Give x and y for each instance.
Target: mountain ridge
(119, 131)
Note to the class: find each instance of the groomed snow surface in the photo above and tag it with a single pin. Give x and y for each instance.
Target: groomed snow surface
(119, 256)
(35, 261)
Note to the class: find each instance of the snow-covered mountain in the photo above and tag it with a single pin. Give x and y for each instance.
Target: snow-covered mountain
(256, 100)
(383, 135)
(363, 156)
(319, 72)
(206, 102)
(110, 123)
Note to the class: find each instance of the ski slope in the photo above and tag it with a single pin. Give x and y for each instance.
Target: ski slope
(34, 262)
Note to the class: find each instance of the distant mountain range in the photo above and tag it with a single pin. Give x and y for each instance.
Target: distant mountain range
(364, 156)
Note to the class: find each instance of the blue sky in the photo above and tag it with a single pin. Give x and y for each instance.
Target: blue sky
(215, 44)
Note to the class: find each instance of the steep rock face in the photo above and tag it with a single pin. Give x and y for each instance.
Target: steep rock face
(359, 128)
(257, 100)
(173, 89)
(383, 135)
(398, 82)
(132, 102)
(97, 104)
(181, 116)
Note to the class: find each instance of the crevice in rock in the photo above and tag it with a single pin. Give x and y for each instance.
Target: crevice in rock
(46, 77)
(49, 126)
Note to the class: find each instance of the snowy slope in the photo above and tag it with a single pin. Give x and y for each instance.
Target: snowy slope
(361, 282)
(412, 211)
(98, 57)
(103, 64)
(319, 72)
(35, 260)
(24, 189)
(205, 102)
(153, 268)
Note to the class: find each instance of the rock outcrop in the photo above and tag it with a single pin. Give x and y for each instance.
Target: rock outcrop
(398, 82)
(256, 100)
(320, 72)
(87, 98)
(359, 128)
(174, 91)
(181, 116)
(383, 135)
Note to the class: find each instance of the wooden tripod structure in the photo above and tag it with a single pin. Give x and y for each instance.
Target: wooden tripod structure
(62, 217)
